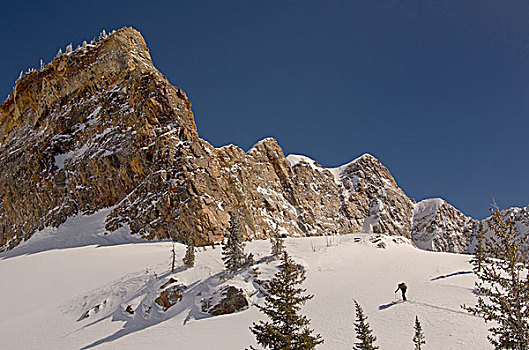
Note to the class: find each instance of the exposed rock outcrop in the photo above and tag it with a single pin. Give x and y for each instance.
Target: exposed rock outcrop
(372, 201)
(170, 296)
(438, 226)
(233, 300)
(520, 217)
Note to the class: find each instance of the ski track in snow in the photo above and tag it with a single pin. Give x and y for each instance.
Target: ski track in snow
(45, 293)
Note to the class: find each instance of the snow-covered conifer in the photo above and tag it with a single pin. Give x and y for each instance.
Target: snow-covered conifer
(233, 248)
(418, 338)
(69, 48)
(276, 243)
(503, 284)
(283, 300)
(189, 258)
(365, 339)
(477, 260)
(173, 258)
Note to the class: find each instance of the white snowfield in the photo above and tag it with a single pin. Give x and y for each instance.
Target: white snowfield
(46, 293)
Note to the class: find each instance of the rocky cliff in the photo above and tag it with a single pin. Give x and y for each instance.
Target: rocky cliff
(438, 226)
(84, 132)
(520, 217)
(100, 127)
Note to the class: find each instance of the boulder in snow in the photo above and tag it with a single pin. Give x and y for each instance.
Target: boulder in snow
(233, 301)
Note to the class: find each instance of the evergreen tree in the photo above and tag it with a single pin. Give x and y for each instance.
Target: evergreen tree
(233, 249)
(478, 251)
(276, 243)
(503, 285)
(418, 338)
(173, 258)
(363, 331)
(283, 301)
(189, 258)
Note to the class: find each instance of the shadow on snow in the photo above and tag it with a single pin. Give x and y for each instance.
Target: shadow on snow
(189, 304)
(451, 275)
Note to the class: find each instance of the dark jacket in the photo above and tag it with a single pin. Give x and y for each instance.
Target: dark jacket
(402, 287)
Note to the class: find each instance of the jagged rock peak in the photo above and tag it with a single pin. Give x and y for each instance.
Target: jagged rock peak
(86, 130)
(371, 200)
(103, 64)
(438, 226)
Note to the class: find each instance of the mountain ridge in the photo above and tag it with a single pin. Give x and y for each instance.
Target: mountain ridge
(101, 127)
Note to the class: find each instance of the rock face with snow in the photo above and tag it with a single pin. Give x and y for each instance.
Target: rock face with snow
(371, 199)
(101, 127)
(85, 132)
(520, 217)
(438, 226)
(106, 129)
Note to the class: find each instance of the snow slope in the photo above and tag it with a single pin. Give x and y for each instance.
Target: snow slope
(45, 293)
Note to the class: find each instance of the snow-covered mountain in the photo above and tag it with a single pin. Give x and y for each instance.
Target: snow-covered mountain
(100, 127)
(101, 163)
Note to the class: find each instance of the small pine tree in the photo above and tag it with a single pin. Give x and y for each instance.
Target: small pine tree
(233, 248)
(478, 251)
(189, 258)
(173, 258)
(501, 267)
(276, 243)
(363, 331)
(418, 338)
(287, 329)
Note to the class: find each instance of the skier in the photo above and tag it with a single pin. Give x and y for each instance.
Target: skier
(402, 286)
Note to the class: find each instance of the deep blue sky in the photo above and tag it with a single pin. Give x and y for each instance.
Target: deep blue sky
(437, 90)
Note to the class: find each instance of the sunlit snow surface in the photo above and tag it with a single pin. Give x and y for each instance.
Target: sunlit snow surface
(52, 280)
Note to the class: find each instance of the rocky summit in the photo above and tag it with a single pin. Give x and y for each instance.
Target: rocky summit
(100, 127)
